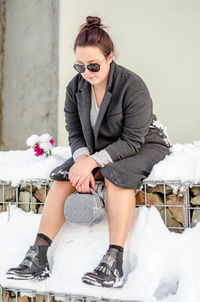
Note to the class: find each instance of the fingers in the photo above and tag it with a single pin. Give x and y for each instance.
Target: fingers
(84, 187)
(78, 181)
(93, 184)
(82, 184)
(74, 180)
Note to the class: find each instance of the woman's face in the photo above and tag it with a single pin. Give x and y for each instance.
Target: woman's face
(90, 54)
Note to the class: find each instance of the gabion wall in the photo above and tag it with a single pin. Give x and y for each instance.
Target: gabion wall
(178, 204)
(25, 295)
(178, 210)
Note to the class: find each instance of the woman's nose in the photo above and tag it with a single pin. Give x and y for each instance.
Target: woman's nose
(86, 72)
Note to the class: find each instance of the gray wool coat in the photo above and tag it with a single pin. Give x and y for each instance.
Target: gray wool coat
(125, 127)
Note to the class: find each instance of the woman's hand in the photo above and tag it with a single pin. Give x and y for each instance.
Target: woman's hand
(85, 187)
(81, 170)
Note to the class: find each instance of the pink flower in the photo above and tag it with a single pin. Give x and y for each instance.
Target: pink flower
(38, 151)
(42, 145)
(52, 141)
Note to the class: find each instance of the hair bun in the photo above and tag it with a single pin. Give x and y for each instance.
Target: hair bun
(93, 21)
(92, 33)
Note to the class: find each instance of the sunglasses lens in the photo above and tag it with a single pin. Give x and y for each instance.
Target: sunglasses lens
(79, 68)
(93, 67)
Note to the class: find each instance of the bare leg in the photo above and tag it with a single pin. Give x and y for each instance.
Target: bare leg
(53, 213)
(120, 208)
(35, 264)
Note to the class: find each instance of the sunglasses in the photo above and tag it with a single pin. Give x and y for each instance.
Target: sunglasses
(94, 67)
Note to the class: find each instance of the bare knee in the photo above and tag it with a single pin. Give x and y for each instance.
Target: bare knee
(62, 187)
(110, 186)
(62, 183)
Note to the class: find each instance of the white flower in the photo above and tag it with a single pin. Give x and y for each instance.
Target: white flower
(46, 146)
(45, 137)
(31, 140)
(44, 143)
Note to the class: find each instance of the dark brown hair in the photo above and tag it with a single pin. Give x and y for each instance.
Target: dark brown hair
(92, 34)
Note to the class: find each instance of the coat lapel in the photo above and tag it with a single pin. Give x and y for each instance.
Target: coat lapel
(84, 106)
(102, 111)
(105, 101)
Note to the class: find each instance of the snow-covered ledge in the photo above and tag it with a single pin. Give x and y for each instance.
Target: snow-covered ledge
(181, 166)
(152, 252)
(173, 186)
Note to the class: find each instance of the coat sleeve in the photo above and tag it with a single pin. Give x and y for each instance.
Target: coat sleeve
(137, 117)
(73, 124)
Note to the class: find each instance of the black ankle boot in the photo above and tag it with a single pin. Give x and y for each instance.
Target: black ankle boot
(108, 273)
(34, 266)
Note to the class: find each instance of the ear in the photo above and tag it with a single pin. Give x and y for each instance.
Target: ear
(110, 57)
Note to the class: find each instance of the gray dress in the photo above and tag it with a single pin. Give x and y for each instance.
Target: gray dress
(126, 138)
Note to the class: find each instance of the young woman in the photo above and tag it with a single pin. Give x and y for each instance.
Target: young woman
(113, 135)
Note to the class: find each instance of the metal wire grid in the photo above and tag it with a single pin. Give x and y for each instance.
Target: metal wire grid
(51, 296)
(182, 189)
(29, 182)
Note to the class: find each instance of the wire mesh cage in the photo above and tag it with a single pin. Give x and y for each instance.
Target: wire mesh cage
(25, 295)
(178, 203)
(29, 195)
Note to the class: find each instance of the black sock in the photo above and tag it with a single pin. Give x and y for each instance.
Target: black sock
(42, 240)
(119, 248)
(42, 254)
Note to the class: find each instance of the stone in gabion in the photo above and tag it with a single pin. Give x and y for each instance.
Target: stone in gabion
(152, 198)
(40, 209)
(40, 194)
(196, 190)
(173, 215)
(9, 193)
(27, 187)
(195, 217)
(25, 197)
(8, 296)
(178, 212)
(195, 201)
(24, 299)
(170, 220)
(159, 189)
(44, 298)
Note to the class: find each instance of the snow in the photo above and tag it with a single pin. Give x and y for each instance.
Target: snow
(157, 124)
(183, 164)
(20, 165)
(158, 265)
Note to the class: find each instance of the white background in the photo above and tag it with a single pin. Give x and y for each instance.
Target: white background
(158, 40)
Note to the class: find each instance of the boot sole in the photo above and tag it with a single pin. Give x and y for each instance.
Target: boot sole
(118, 283)
(38, 276)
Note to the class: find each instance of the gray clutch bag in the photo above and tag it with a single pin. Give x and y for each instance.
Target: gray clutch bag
(84, 208)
